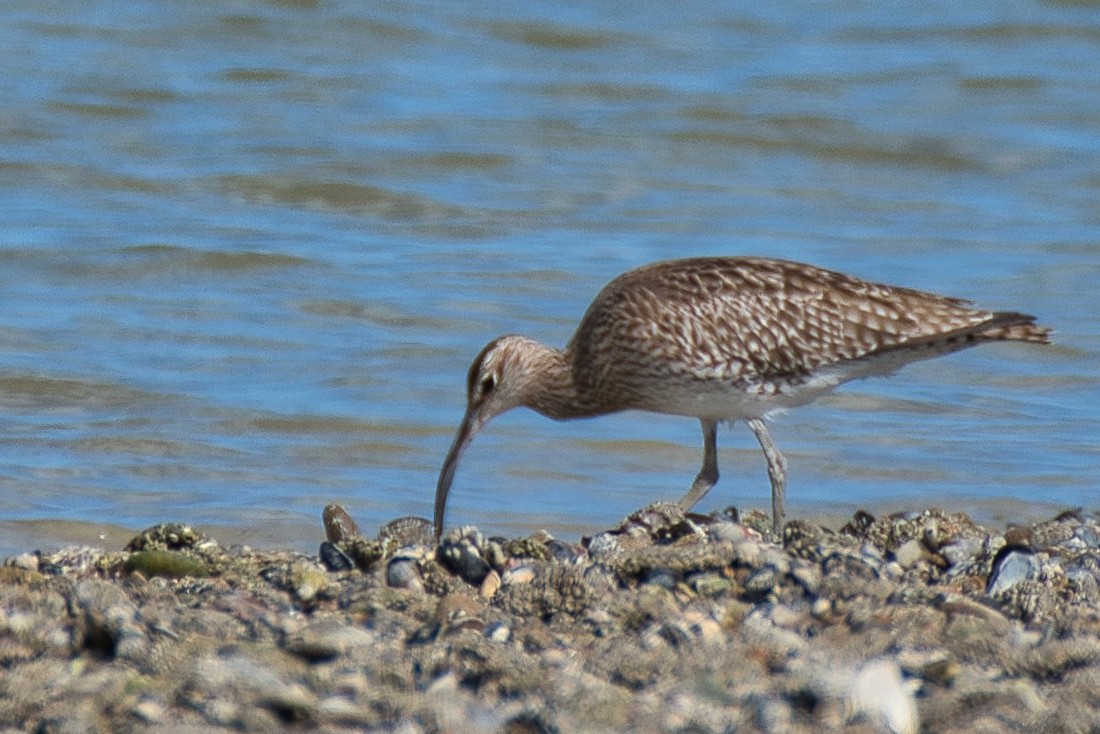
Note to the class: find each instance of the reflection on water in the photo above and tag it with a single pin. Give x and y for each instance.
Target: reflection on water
(250, 250)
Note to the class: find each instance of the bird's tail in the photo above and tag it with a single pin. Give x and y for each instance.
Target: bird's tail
(1010, 326)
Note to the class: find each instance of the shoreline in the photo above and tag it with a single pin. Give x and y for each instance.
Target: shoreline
(49, 534)
(920, 621)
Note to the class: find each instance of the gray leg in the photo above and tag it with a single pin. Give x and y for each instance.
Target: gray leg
(708, 475)
(777, 472)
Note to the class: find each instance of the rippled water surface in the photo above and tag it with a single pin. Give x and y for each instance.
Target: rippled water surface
(249, 249)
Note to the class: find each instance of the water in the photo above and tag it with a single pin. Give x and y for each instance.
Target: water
(250, 249)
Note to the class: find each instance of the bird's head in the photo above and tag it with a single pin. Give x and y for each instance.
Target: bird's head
(500, 378)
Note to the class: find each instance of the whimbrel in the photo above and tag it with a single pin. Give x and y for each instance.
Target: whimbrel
(722, 338)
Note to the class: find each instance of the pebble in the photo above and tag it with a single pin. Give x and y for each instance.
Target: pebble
(328, 639)
(1084, 571)
(490, 585)
(108, 622)
(498, 631)
(779, 643)
(255, 686)
(773, 716)
(461, 552)
(1088, 535)
(403, 572)
(25, 561)
(306, 580)
(662, 577)
(821, 607)
(1012, 566)
(522, 574)
(677, 620)
(150, 711)
(965, 550)
(878, 693)
(784, 616)
(704, 626)
(731, 532)
(604, 546)
(909, 553)
(169, 536)
(166, 563)
(762, 583)
(565, 552)
(808, 577)
(708, 584)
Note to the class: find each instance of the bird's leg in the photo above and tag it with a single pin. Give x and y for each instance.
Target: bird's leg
(708, 475)
(777, 472)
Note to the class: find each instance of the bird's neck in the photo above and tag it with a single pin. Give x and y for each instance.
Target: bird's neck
(552, 389)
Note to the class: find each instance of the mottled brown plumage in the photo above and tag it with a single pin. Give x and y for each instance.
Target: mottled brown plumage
(722, 339)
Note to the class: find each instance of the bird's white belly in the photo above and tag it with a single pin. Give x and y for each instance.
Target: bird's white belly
(717, 399)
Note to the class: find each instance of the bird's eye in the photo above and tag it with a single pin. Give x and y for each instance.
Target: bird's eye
(488, 383)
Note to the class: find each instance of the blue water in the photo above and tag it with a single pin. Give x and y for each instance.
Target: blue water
(250, 249)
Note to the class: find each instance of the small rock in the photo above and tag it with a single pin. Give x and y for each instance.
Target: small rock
(808, 577)
(346, 712)
(709, 585)
(1011, 566)
(762, 583)
(878, 693)
(1088, 536)
(498, 631)
(660, 521)
(444, 684)
(461, 552)
(13, 575)
(165, 563)
(604, 546)
(565, 552)
(732, 532)
(363, 552)
(528, 722)
(963, 550)
(909, 553)
(328, 639)
(24, 561)
(306, 579)
(403, 572)
(490, 585)
(777, 643)
(523, 574)
(784, 616)
(942, 671)
(662, 577)
(108, 622)
(773, 716)
(705, 628)
(233, 688)
(169, 536)
(1028, 694)
(149, 710)
(955, 606)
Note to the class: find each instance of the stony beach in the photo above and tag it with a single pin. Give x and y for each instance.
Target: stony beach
(917, 622)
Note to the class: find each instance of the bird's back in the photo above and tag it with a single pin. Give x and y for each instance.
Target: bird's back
(765, 322)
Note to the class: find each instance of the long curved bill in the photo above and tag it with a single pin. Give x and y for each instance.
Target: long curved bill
(471, 424)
